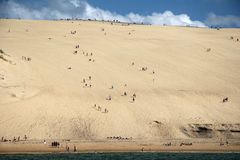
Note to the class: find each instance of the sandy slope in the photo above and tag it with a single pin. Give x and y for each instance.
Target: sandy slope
(45, 99)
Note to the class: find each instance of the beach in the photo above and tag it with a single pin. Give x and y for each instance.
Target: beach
(106, 146)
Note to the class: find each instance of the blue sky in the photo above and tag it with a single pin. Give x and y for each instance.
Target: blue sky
(201, 13)
(196, 9)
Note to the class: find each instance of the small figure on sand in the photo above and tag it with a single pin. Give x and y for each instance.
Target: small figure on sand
(105, 110)
(134, 95)
(84, 80)
(77, 46)
(74, 148)
(99, 108)
(89, 77)
(225, 99)
(208, 50)
(125, 94)
(25, 137)
(67, 148)
(133, 99)
(111, 87)
(132, 63)
(144, 68)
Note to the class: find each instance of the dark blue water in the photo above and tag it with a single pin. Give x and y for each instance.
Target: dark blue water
(124, 156)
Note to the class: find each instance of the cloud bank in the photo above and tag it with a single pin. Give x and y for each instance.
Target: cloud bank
(62, 9)
(223, 21)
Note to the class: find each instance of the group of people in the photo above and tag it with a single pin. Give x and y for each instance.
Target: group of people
(73, 32)
(88, 54)
(119, 138)
(99, 108)
(109, 98)
(26, 58)
(68, 149)
(15, 139)
(85, 82)
(144, 69)
(232, 38)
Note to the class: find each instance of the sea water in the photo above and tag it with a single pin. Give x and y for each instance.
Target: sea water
(123, 156)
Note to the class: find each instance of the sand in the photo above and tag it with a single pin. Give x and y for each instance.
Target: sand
(189, 71)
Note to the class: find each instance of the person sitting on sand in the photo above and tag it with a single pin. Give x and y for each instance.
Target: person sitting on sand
(109, 98)
(125, 93)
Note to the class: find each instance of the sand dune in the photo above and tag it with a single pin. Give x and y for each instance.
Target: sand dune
(46, 92)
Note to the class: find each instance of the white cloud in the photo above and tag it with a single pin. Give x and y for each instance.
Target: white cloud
(223, 21)
(81, 9)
